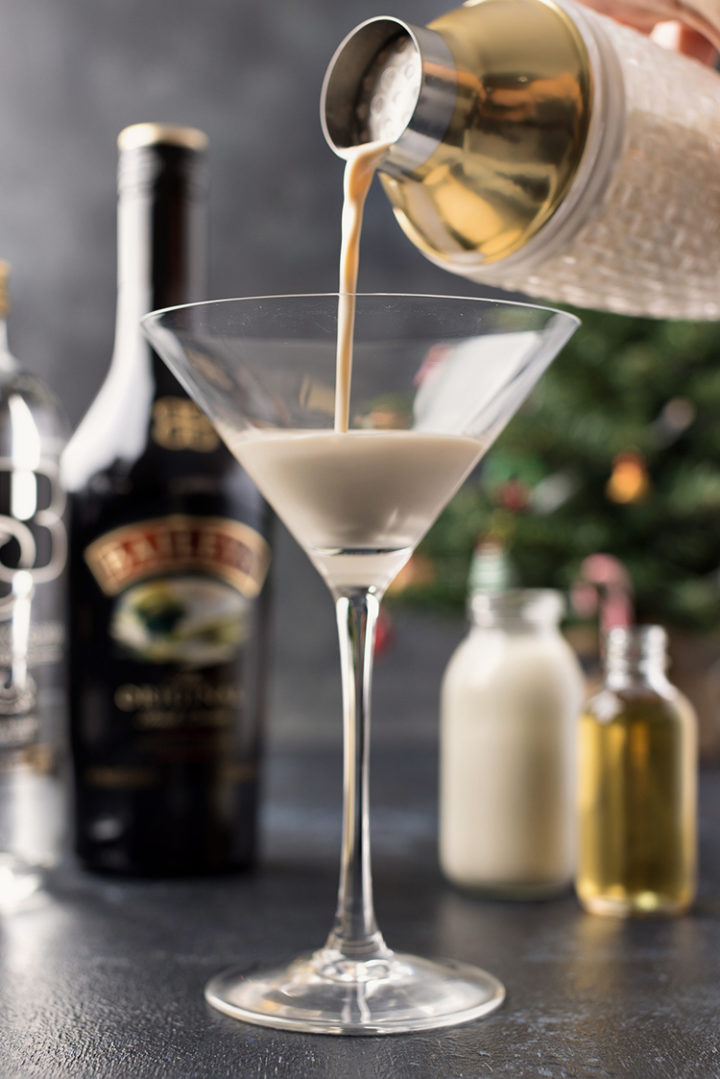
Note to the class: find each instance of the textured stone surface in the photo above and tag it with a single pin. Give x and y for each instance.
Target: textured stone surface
(105, 977)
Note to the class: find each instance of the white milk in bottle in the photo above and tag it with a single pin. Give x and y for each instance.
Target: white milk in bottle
(510, 702)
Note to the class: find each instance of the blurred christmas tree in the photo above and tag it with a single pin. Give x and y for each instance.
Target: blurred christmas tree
(617, 451)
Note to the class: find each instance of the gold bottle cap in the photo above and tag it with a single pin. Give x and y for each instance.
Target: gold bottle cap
(4, 288)
(138, 135)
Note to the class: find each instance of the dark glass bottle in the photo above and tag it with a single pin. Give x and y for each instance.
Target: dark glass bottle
(169, 552)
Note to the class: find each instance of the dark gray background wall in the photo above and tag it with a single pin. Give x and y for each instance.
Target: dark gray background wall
(74, 72)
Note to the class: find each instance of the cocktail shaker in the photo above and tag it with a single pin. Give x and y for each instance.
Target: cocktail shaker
(537, 146)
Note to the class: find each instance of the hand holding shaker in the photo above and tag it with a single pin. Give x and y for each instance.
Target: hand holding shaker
(538, 146)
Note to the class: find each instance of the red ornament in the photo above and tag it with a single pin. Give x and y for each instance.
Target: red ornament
(384, 634)
(513, 495)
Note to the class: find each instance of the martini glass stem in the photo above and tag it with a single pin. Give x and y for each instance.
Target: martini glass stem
(355, 933)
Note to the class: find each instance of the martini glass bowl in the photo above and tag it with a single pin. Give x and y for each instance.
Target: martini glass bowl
(434, 381)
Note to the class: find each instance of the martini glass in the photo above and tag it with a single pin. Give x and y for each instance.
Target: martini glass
(434, 381)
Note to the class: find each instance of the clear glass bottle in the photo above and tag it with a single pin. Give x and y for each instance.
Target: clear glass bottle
(33, 557)
(637, 784)
(509, 704)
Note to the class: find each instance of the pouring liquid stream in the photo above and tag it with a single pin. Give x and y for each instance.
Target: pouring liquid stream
(360, 166)
(358, 501)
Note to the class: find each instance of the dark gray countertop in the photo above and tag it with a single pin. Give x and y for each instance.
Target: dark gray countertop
(105, 977)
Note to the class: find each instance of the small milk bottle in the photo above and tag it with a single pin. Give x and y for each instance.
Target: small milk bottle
(510, 699)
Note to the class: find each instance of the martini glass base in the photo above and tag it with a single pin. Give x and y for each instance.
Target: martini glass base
(325, 993)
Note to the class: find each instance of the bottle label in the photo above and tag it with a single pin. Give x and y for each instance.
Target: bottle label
(184, 586)
(187, 701)
(180, 544)
(178, 424)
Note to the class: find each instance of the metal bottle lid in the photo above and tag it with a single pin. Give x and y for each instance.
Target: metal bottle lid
(4, 288)
(151, 153)
(146, 134)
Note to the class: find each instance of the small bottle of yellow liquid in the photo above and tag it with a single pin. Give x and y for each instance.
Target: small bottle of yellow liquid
(637, 784)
